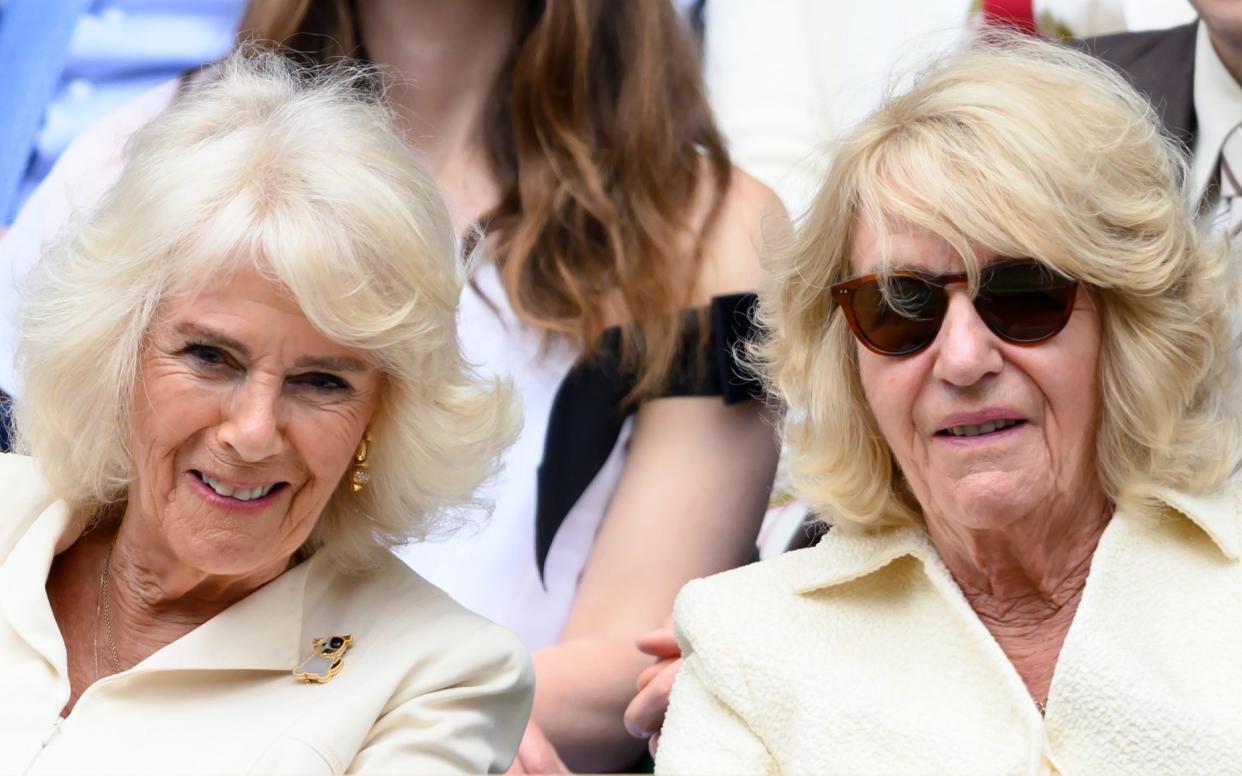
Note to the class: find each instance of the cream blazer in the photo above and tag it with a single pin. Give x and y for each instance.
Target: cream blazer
(861, 655)
(426, 688)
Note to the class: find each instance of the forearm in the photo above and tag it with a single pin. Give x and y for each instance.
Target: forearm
(582, 688)
(683, 509)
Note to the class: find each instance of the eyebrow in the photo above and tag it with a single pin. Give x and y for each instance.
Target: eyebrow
(212, 337)
(332, 363)
(325, 363)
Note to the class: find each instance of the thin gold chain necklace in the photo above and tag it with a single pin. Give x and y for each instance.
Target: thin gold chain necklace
(103, 612)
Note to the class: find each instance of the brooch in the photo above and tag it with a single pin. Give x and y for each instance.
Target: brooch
(325, 661)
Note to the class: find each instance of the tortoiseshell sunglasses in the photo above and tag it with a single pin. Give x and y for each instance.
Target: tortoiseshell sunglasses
(899, 313)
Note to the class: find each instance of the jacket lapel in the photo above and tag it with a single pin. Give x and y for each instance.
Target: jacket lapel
(23, 582)
(263, 631)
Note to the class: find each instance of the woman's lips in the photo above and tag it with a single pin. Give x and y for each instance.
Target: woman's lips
(209, 493)
(986, 425)
(983, 433)
(978, 417)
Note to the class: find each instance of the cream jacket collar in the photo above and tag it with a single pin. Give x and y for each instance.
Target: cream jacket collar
(427, 687)
(276, 610)
(851, 657)
(858, 555)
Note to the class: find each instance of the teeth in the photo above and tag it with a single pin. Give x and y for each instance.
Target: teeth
(241, 494)
(986, 428)
(222, 489)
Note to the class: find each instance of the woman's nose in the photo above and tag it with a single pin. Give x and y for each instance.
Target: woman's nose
(966, 350)
(252, 426)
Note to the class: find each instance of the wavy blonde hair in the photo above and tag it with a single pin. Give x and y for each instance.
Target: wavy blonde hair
(1029, 149)
(304, 176)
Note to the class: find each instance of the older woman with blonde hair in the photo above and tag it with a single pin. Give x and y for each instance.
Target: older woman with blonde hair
(243, 386)
(1011, 379)
(618, 255)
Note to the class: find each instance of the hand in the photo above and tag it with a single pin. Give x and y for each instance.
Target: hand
(536, 754)
(645, 715)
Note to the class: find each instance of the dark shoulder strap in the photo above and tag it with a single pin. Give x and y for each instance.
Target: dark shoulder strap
(713, 365)
(589, 408)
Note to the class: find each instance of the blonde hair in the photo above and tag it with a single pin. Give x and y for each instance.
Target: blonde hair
(1029, 149)
(303, 175)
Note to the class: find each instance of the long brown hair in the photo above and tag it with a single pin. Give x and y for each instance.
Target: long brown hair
(601, 139)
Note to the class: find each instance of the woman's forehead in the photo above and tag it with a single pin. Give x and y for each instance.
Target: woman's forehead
(897, 244)
(248, 305)
(225, 280)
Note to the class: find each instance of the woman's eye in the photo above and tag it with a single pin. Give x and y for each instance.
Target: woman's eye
(207, 355)
(321, 381)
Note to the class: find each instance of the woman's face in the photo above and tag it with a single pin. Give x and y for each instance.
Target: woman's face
(245, 419)
(969, 377)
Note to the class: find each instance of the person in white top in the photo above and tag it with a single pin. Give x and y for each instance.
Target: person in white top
(243, 388)
(1007, 358)
(786, 77)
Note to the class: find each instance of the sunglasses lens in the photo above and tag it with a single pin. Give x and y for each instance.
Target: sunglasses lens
(898, 314)
(900, 317)
(1025, 302)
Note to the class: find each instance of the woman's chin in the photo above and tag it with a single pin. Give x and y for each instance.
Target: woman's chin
(225, 542)
(991, 498)
(221, 556)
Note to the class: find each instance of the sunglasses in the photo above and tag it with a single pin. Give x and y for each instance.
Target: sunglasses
(899, 313)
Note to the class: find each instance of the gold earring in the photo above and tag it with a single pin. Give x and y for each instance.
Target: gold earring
(359, 477)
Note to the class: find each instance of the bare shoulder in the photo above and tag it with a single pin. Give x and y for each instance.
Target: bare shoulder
(750, 223)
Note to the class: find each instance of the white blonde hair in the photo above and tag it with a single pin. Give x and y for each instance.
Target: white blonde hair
(1029, 149)
(304, 176)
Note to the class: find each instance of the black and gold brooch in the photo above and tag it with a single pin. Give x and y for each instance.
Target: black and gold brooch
(325, 661)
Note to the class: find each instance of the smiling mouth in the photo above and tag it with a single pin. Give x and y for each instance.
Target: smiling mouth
(991, 427)
(239, 494)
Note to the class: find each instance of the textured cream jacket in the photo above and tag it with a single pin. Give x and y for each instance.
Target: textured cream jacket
(427, 687)
(861, 655)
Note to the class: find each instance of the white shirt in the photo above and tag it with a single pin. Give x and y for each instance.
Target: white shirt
(427, 687)
(787, 77)
(491, 567)
(861, 655)
(1218, 109)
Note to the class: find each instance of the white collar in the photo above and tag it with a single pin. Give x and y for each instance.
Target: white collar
(1218, 109)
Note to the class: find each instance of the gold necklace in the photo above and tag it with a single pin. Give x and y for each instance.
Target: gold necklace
(1041, 705)
(103, 609)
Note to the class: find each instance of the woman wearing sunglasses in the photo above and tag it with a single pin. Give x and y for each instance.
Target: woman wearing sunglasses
(1010, 380)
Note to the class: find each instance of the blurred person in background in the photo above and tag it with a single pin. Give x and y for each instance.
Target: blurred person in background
(1191, 74)
(242, 393)
(1008, 363)
(64, 64)
(618, 255)
(786, 77)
